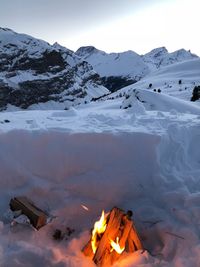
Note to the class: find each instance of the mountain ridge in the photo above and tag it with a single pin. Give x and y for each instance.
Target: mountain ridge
(121, 69)
(33, 72)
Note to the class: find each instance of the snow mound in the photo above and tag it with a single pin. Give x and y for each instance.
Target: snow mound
(159, 101)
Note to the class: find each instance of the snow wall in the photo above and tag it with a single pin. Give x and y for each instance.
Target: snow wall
(156, 177)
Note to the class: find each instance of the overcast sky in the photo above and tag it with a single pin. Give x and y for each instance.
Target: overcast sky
(109, 25)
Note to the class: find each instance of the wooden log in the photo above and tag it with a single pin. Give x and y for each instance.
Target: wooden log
(118, 225)
(130, 246)
(87, 250)
(37, 217)
(123, 237)
(135, 239)
(103, 256)
(126, 230)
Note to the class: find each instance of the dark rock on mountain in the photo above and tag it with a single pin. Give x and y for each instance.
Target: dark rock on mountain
(196, 93)
(50, 61)
(114, 83)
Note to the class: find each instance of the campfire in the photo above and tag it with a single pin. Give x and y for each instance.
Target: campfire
(111, 236)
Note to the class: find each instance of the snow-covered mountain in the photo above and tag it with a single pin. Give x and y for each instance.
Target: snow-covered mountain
(160, 57)
(116, 69)
(121, 69)
(32, 71)
(37, 75)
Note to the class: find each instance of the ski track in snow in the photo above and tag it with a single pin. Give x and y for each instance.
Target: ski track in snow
(101, 156)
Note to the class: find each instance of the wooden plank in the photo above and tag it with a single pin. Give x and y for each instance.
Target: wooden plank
(87, 250)
(126, 230)
(102, 256)
(123, 237)
(135, 238)
(37, 217)
(130, 248)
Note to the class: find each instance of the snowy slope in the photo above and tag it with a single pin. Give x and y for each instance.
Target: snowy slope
(11, 41)
(157, 101)
(127, 63)
(101, 156)
(176, 80)
(32, 71)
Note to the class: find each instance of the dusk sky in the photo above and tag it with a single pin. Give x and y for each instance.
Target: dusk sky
(109, 25)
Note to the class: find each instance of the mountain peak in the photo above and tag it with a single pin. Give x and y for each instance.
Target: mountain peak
(87, 50)
(184, 53)
(157, 52)
(57, 46)
(6, 30)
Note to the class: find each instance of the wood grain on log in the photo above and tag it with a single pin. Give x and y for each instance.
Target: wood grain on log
(37, 217)
(135, 238)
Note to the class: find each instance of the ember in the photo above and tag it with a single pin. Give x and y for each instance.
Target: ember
(113, 234)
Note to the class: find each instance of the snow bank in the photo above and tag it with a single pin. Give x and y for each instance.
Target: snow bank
(159, 101)
(157, 176)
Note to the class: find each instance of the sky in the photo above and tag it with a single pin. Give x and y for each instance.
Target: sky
(109, 25)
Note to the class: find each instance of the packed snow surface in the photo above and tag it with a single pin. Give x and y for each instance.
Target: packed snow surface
(101, 156)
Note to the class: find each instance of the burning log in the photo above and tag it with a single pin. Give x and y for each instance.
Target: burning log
(113, 234)
(37, 217)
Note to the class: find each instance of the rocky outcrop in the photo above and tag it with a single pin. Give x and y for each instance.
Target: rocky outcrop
(114, 83)
(50, 61)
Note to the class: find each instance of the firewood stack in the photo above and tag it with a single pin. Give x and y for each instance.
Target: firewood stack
(112, 235)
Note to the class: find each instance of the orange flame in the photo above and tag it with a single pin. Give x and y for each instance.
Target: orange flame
(99, 228)
(115, 246)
